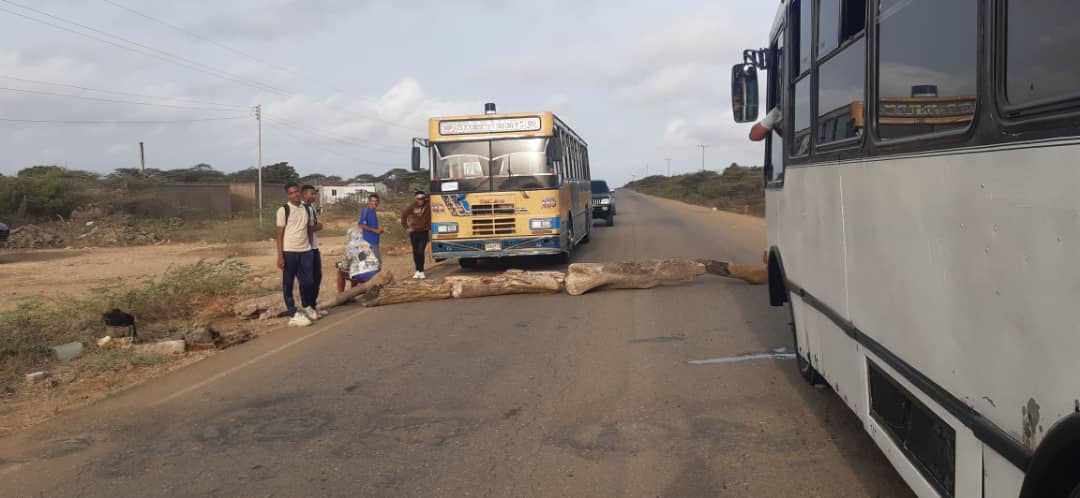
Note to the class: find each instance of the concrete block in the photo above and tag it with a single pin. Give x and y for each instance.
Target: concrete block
(65, 352)
(163, 348)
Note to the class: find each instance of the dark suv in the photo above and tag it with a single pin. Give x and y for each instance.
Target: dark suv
(603, 202)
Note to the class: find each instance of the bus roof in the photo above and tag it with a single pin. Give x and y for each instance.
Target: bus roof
(488, 126)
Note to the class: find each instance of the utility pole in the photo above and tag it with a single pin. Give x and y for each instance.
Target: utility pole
(259, 192)
(703, 147)
(668, 159)
(646, 170)
(142, 160)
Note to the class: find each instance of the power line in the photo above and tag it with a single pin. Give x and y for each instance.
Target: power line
(97, 122)
(113, 92)
(283, 131)
(114, 101)
(166, 56)
(219, 45)
(341, 139)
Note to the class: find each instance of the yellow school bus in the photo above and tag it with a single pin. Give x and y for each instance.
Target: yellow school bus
(507, 185)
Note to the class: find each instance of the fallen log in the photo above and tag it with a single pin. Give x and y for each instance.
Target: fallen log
(509, 282)
(381, 279)
(751, 274)
(407, 291)
(583, 277)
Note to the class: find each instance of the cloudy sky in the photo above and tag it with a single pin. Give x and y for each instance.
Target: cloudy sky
(344, 84)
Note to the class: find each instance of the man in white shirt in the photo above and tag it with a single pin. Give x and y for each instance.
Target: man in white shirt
(295, 257)
(307, 194)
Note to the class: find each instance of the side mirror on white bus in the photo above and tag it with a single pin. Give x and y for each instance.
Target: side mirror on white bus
(744, 93)
(416, 158)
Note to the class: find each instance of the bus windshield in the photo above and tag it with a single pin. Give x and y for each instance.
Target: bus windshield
(487, 165)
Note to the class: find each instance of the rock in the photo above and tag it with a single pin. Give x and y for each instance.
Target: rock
(266, 307)
(36, 377)
(163, 348)
(65, 352)
(104, 341)
(201, 336)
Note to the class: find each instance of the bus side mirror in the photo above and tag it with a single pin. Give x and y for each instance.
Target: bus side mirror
(416, 158)
(744, 93)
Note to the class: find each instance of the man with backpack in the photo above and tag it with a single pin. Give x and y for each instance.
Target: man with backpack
(295, 257)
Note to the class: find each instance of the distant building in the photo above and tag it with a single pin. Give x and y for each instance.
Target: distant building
(330, 193)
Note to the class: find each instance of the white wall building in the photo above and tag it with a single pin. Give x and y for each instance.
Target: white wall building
(331, 193)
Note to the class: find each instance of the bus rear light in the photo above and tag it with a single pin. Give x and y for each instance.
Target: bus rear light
(549, 203)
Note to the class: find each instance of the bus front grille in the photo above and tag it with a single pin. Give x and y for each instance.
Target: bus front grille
(492, 209)
(494, 226)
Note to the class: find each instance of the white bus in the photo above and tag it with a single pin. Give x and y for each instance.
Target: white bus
(923, 194)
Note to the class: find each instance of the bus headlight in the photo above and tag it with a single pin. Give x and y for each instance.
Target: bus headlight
(543, 224)
(444, 228)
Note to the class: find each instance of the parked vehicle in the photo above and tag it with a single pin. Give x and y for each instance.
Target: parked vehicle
(4, 233)
(603, 202)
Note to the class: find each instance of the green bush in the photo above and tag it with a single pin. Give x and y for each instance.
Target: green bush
(738, 189)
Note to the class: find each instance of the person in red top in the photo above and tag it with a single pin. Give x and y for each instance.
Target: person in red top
(416, 220)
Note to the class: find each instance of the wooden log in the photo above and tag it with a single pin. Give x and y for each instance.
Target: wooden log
(510, 282)
(380, 279)
(583, 277)
(407, 291)
(751, 274)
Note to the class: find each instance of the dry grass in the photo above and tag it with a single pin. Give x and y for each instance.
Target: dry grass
(183, 294)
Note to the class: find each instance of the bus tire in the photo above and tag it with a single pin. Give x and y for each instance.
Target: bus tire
(806, 370)
(588, 233)
(1052, 471)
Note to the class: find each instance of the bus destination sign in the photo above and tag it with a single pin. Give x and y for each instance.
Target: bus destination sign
(502, 125)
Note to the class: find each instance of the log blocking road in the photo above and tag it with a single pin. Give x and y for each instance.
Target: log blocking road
(514, 396)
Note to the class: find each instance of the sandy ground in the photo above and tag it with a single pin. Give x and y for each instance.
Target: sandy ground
(26, 274)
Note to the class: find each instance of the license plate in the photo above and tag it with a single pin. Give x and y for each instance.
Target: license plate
(492, 246)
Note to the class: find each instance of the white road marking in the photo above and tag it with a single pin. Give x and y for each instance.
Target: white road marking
(749, 357)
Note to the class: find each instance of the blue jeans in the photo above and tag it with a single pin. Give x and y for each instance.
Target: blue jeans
(299, 266)
(316, 277)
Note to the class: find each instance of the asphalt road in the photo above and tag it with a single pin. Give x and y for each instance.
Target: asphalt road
(544, 396)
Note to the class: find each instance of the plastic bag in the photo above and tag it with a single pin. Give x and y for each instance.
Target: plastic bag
(359, 261)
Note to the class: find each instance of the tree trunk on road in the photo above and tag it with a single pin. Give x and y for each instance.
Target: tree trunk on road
(510, 282)
(583, 277)
(751, 274)
(407, 291)
(380, 279)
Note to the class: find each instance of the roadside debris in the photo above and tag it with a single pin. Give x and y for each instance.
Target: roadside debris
(163, 348)
(69, 351)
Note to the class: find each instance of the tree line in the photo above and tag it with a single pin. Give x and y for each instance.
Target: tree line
(50, 191)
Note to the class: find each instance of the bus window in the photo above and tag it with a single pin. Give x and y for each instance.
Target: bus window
(803, 32)
(927, 51)
(841, 87)
(774, 165)
(800, 144)
(1041, 64)
(828, 26)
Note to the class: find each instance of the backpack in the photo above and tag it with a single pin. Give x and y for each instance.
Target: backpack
(312, 218)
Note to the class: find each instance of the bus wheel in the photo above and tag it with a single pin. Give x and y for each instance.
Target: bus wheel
(467, 262)
(588, 233)
(805, 368)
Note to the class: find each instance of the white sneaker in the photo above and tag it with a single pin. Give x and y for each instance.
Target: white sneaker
(311, 313)
(420, 275)
(299, 320)
(416, 275)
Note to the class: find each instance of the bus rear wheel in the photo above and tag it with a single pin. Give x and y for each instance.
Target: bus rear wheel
(806, 370)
